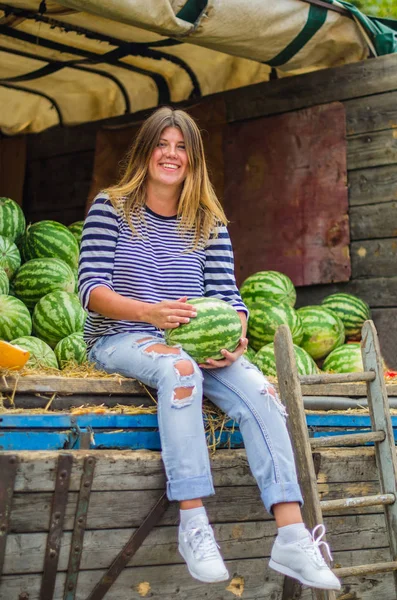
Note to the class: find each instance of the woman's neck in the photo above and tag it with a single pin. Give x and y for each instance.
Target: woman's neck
(162, 200)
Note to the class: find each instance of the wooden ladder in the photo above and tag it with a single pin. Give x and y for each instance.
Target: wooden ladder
(382, 435)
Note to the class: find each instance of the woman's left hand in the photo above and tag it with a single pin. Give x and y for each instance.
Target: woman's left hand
(230, 357)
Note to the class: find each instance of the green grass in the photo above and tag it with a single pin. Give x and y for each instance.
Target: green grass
(378, 8)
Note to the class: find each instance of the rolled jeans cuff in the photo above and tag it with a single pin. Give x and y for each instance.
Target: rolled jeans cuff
(281, 492)
(188, 489)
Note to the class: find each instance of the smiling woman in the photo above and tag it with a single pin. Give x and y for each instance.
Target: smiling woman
(149, 243)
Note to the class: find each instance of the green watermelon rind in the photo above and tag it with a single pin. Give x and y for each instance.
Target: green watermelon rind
(344, 359)
(323, 331)
(50, 239)
(10, 258)
(4, 283)
(77, 229)
(216, 326)
(12, 219)
(56, 316)
(41, 276)
(15, 319)
(352, 311)
(266, 317)
(71, 350)
(268, 285)
(41, 355)
(265, 361)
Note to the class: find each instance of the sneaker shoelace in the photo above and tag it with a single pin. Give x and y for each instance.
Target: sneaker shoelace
(202, 542)
(311, 545)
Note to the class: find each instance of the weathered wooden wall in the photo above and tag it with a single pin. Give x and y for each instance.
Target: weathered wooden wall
(368, 93)
(60, 164)
(125, 487)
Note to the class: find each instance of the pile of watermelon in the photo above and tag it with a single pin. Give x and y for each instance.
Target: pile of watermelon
(39, 308)
(325, 336)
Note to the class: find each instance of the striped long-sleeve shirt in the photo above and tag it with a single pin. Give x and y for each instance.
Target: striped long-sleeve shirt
(156, 263)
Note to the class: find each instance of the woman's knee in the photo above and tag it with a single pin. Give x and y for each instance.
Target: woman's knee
(188, 378)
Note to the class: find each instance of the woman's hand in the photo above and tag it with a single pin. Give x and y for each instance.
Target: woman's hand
(229, 357)
(169, 314)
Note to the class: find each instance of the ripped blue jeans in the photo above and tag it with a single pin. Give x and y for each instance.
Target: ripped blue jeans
(241, 391)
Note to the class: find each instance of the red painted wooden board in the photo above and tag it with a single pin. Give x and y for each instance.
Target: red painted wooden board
(286, 195)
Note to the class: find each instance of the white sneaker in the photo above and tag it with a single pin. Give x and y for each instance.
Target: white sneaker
(198, 547)
(303, 561)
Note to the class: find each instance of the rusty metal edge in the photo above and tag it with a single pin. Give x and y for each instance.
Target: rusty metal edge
(8, 471)
(80, 522)
(58, 509)
(129, 549)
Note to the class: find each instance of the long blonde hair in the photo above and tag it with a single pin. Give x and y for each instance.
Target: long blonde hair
(198, 207)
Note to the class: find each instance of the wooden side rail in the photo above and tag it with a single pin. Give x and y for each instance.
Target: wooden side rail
(377, 500)
(337, 378)
(347, 439)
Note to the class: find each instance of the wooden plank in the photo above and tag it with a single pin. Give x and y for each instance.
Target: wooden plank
(143, 469)
(385, 452)
(327, 85)
(373, 221)
(351, 439)
(372, 186)
(123, 508)
(374, 256)
(327, 378)
(12, 167)
(237, 540)
(372, 113)
(251, 580)
(376, 291)
(372, 149)
(290, 162)
(290, 392)
(70, 385)
(40, 400)
(371, 569)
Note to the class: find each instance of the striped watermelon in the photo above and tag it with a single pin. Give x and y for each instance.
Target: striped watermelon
(4, 283)
(265, 360)
(15, 319)
(71, 349)
(344, 359)
(265, 318)
(268, 285)
(216, 326)
(77, 230)
(12, 219)
(41, 355)
(50, 239)
(351, 310)
(323, 331)
(56, 316)
(39, 277)
(250, 353)
(10, 259)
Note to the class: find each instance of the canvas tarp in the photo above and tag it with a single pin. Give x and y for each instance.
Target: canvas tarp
(74, 61)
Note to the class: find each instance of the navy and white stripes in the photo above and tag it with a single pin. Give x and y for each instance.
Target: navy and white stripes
(154, 264)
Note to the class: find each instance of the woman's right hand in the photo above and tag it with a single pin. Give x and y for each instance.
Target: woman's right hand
(169, 314)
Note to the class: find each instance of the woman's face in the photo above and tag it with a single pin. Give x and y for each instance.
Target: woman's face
(168, 164)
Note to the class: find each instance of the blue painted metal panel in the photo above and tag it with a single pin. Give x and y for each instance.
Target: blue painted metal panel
(33, 440)
(56, 431)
